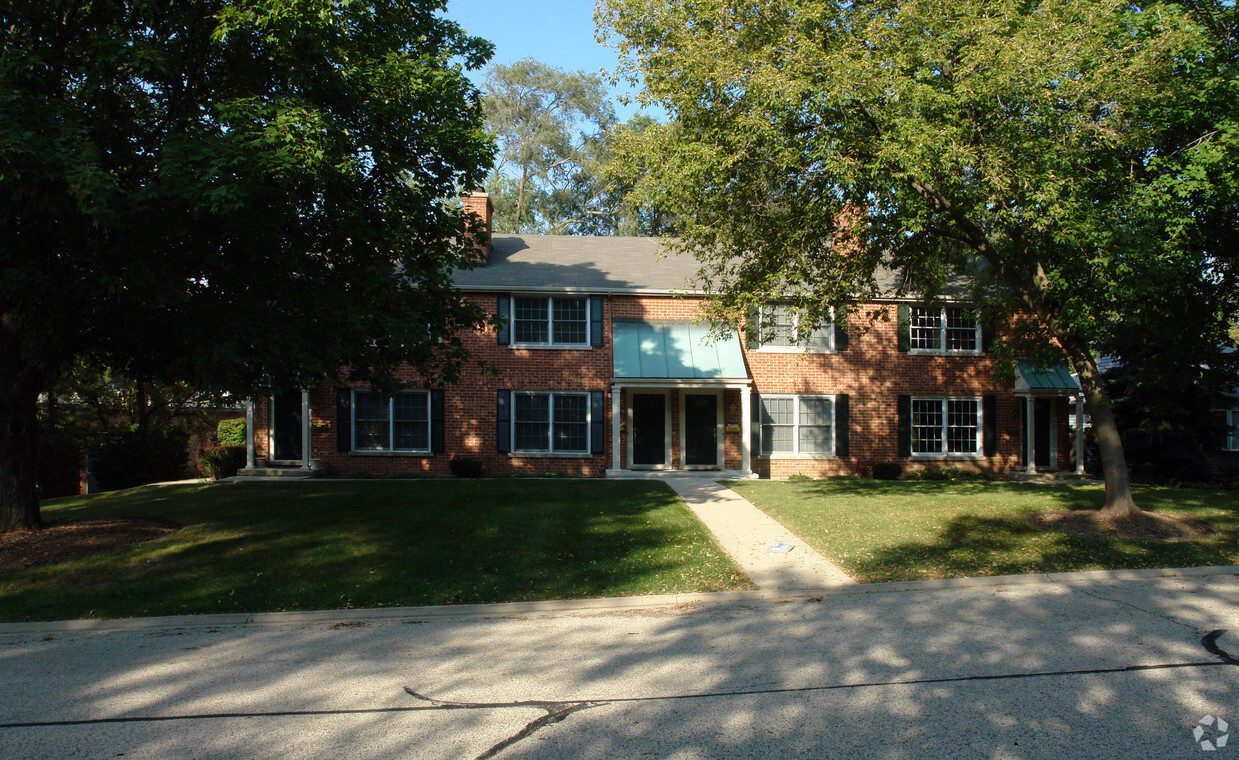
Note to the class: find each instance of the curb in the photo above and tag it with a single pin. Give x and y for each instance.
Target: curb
(614, 604)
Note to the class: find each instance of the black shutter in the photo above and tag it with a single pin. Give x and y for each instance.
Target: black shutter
(1023, 432)
(505, 320)
(752, 328)
(503, 422)
(595, 321)
(755, 424)
(841, 425)
(987, 335)
(841, 337)
(344, 419)
(905, 426)
(436, 421)
(989, 423)
(597, 422)
(904, 326)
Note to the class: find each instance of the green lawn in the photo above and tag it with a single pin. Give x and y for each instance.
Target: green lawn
(894, 530)
(324, 545)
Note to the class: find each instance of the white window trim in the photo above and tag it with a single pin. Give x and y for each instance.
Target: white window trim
(797, 454)
(550, 322)
(391, 425)
(550, 450)
(794, 349)
(980, 452)
(944, 351)
(1231, 442)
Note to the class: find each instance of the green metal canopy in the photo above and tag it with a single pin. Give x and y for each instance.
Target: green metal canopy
(1032, 379)
(674, 350)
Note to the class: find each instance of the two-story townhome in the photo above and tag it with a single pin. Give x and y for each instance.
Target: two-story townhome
(602, 368)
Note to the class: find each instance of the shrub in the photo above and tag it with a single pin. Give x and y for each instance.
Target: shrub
(798, 476)
(216, 462)
(887, 470)
(231, 432)
(130, 457)
(465, 467)
(947, 473)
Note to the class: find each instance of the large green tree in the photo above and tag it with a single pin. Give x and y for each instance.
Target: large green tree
(551, 128)
(241, 194)
(1074, 160)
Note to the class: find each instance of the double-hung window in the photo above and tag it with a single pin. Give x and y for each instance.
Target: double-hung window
(792, 425)
(1230, 418)
(396, 423)
(948, 329)
(553, 423)
(779, 328)
(946, 426)
(547, 321)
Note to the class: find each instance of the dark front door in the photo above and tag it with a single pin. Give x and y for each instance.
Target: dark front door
(649, 429)
(286, 426)
(701, 430)
(1041, 423)
(1042, 420)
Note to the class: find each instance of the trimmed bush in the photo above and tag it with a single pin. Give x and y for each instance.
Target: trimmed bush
(887, 470)
(465, 467)
(231, 432)
(216, 462)
(131, 457)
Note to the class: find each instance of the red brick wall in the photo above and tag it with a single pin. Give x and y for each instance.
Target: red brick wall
(872, 372)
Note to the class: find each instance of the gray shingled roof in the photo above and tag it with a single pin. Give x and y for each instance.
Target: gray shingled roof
(596, 265)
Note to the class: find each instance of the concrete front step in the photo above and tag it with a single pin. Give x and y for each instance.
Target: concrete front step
(290, 473)
(705, 475)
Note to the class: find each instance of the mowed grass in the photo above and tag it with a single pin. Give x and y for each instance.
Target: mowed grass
(249, 547)
(894, 530)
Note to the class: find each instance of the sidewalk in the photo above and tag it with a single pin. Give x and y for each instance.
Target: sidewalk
(747, 534)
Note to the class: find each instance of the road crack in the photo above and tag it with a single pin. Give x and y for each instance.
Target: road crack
(555, 712)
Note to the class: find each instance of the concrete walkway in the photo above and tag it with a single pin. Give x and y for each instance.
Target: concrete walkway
(747, 534)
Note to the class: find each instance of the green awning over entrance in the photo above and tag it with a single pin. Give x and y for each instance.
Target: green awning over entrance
(1031, 379)
(674, 350)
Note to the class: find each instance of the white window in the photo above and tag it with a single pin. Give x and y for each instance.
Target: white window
(1230, 417)
(398, 423)
(779, 328)
(550, 321)
(946, 426)
(949, 329)
(797, 425)
(550, 422)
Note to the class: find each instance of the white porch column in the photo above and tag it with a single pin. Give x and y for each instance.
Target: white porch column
(746, 424)
(615, 427)
(1080, 435)
(1030, 436)
(305, 430)
(249, 434)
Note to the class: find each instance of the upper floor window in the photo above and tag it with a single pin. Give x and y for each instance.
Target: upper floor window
(948, 329)
(779, 327)
(553, 321)
(397, 423)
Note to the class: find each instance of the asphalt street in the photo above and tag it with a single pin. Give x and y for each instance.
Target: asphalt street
(1077, 668)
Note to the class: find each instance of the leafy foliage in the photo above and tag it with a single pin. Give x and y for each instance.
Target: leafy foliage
(134, 456)
(217, 462)
(242, 195)
(231, 432)
(1074, 161)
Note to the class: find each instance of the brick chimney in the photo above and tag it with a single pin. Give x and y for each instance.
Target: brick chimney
(478, 203)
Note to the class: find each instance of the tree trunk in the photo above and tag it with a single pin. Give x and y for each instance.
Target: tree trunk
(1119, 502)
(19, 440)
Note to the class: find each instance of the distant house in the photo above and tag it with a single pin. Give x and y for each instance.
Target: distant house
(606, 372)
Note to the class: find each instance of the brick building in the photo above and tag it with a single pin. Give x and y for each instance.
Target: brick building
(602, 370)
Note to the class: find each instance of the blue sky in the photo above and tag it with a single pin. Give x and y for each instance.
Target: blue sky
(557, 32)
